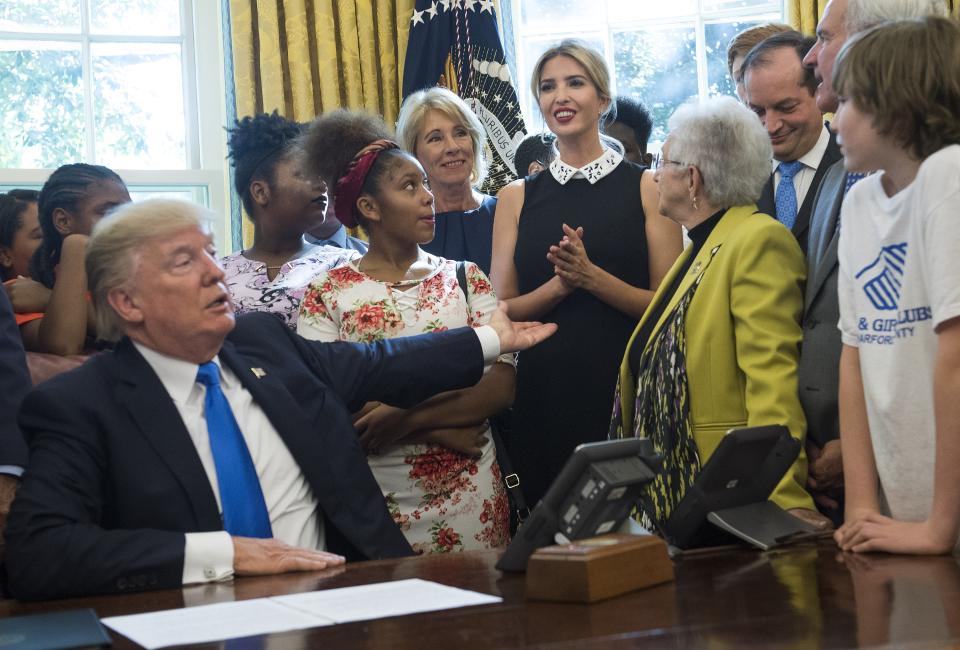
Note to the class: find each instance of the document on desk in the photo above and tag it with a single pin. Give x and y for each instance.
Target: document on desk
(206, 623)
(384, 599)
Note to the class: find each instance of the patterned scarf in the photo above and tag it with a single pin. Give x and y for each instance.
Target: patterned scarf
(662, 413)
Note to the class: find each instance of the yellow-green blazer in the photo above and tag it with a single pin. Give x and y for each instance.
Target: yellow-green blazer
(742, 336)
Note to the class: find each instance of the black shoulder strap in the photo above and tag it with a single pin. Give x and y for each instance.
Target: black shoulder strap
(510, 478)
(462, 280)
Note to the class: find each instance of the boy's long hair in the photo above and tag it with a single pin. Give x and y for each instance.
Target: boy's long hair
(906, 75)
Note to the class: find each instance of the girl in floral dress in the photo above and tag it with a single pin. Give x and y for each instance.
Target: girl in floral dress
(436, 463)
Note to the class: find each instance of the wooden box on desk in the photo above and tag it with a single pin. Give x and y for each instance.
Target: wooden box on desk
(596, 568)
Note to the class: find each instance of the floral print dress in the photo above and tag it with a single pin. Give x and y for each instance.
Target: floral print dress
(442, 500)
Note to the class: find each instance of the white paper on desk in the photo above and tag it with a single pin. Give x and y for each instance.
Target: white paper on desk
(384, 599)
(207, 623)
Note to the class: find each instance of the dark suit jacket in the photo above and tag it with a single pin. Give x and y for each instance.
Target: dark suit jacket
(820, 352)
(114, 479)
(801, 226)
(14, 385)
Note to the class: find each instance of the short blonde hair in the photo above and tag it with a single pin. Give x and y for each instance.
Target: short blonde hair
(591, 61)
(724, 140)
(906, 76)
(414, 112)
(114, 247)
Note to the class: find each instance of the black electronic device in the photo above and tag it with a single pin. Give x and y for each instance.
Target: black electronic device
(593, 494)
(730, 497)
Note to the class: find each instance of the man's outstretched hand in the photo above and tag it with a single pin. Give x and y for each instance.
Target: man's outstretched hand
(515, 337)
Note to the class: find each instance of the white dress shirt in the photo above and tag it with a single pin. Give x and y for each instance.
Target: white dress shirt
(290, 501)
(810, 161)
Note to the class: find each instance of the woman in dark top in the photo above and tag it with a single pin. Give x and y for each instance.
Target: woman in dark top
(589, 201)
(719, 345)
(447, 139)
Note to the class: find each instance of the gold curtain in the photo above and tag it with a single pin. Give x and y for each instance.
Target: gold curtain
(804, 14)
(306, 57)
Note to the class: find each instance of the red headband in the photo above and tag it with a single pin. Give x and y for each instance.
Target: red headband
(350, 184)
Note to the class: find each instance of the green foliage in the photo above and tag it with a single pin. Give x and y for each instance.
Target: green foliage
(41, 108)
(42, 123)
(659, 68)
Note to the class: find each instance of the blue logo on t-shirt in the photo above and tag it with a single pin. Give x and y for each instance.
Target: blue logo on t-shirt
(884, 276)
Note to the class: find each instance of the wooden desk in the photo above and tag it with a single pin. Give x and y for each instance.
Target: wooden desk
(803, 596)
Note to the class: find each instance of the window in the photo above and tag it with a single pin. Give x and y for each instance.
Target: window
(136, 85)
(659, 51)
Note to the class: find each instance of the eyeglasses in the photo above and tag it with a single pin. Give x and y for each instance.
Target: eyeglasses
(659, 162)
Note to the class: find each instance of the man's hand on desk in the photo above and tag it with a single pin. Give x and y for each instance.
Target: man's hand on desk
(514, 336)
(267, 556)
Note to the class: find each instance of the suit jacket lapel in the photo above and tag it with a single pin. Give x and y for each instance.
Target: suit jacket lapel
(830, 156)
(142, 393)
(827, 258)
(822, 248)
(284, 413)
(766, 202)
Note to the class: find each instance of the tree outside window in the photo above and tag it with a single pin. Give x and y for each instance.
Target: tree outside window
(99, 80)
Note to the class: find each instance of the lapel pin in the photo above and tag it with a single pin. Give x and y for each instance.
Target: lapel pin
(259, 372)
(696, 267)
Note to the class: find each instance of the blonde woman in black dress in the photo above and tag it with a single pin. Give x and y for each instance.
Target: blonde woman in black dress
(580, 244)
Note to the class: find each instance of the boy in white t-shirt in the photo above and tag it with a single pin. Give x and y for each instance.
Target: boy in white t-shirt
(899, 287)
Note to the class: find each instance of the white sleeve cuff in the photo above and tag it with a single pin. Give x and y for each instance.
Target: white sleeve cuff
(489, 343)
(207, 557)
(11, 470)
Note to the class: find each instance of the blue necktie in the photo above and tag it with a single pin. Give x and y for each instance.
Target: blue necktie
(244, 510)
(786, 198)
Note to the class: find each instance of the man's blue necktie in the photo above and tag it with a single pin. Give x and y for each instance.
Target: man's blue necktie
(244, 510)
(786, 198)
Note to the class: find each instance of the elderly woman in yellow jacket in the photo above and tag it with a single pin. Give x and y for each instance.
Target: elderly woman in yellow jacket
(719, 345)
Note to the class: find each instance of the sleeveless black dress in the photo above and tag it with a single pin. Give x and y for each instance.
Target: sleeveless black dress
(565, 385)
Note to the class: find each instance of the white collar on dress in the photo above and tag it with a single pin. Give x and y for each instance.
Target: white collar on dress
(593, 172)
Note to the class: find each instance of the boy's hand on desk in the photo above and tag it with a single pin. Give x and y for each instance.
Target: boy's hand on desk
(875, 532)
